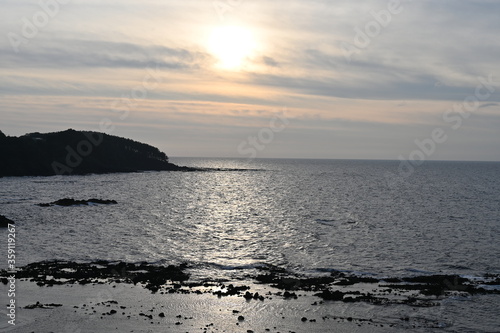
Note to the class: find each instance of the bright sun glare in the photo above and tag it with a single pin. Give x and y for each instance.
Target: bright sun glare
(231, 45)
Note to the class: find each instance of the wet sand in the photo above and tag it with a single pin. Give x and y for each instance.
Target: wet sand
(129, 308)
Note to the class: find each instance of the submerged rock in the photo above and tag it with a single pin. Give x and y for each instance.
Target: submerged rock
(328, 295)
(4, 222)
(42, 306)
(72, 202)
(152, 277)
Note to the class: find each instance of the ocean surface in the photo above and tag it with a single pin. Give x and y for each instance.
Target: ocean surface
(308, 216)
(305, 215)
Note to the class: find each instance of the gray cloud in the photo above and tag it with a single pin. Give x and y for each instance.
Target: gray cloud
(86, 53)
(431, 51)
(270, 61)
(487, 105)
(374, 87)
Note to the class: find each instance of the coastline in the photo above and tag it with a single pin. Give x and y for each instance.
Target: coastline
(137, 310)
(104, 296)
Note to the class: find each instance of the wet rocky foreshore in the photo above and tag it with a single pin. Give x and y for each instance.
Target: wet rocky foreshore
(421, 290)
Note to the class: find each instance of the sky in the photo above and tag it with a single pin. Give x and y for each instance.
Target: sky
(416, 80)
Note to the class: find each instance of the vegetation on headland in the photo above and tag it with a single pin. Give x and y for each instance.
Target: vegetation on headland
(78, 152)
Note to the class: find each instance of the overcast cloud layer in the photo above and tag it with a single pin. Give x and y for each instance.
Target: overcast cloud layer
(358, 79)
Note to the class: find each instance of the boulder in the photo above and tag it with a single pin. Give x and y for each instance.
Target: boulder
(4, 222)
(66, 202)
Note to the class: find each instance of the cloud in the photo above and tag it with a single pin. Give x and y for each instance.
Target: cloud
(487, 105)
(392, 90)
(62, 53)
(379, 86)
(270, 61)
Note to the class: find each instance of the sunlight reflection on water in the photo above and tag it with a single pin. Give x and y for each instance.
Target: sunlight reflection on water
(301, 214)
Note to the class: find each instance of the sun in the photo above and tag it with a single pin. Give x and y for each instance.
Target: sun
(231, 45)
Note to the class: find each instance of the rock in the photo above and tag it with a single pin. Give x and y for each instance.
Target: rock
(4, 222)
(145, 315)
(304, 319)
(151, 276)
(42, 306)
(241, 318)
(327, 295)
(66, 202)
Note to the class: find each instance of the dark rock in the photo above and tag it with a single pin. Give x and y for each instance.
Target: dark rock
(435, 285)
(153, 277)
(161, 315)
(241, 318)
(42, 306)
(304, 319)
(231, 290)
(328, 295)
(145, 315)
(66, 202)
(350, 280)
(288, 294)
(4, 222)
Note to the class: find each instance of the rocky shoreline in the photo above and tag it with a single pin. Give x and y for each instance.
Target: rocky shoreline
(422, 290)
(107, 295)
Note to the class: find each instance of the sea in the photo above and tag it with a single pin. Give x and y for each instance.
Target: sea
(307, 216)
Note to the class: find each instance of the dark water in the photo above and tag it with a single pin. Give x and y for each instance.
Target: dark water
(309, 216)
(306, 215)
